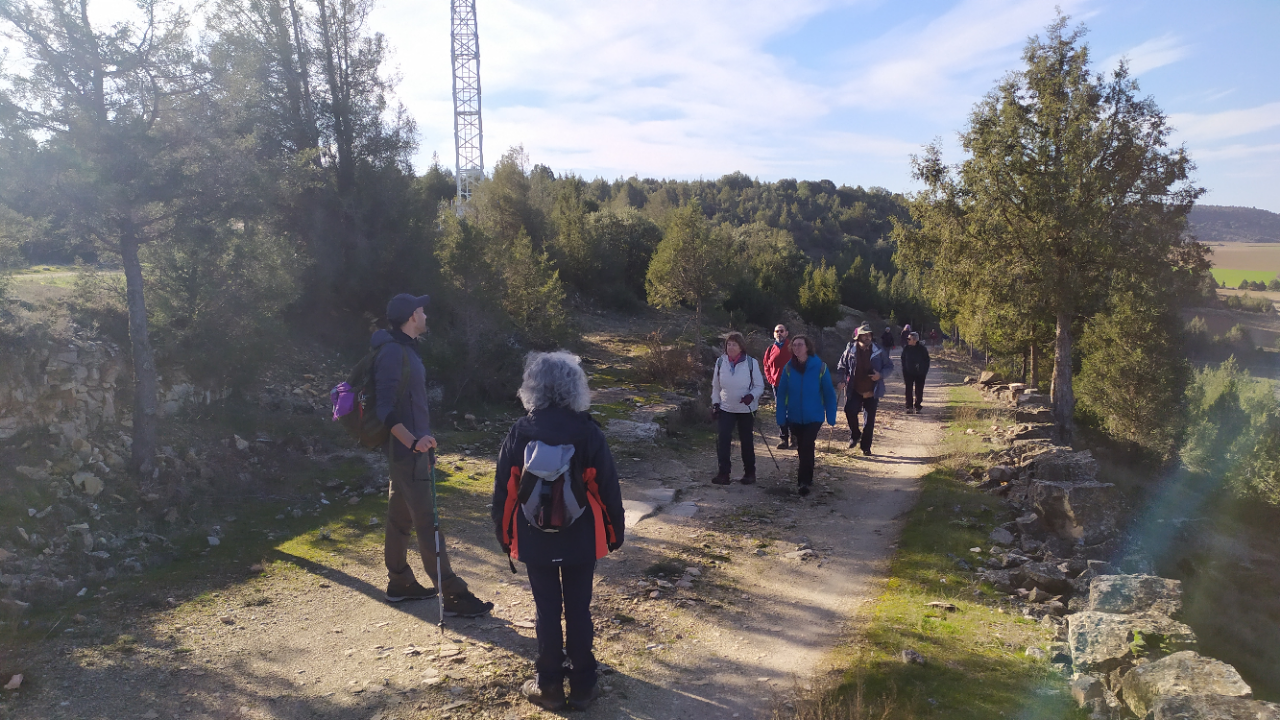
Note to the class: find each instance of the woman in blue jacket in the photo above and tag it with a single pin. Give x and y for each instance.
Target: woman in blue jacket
(805, 399)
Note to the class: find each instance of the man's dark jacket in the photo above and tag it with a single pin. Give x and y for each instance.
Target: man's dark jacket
(915, 359)
(394, 347)
(579, 542)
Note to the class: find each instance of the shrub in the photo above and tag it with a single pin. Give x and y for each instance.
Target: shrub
(1132, 375)
(1233, 433)
(664, 363)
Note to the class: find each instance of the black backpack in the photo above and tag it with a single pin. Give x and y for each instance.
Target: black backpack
(362, 422)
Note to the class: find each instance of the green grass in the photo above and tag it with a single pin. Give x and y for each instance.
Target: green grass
(1233, 278)
(976, 666)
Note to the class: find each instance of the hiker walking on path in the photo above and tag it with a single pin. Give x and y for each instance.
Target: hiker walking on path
(410, 507)
(906, 333)
(805, 399)
(886, 338)
(736, 385)
(915, 365)
(862, 369)
(776, 356)
(557, 508)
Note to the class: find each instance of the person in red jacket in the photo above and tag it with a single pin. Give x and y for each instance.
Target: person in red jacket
(776, 358)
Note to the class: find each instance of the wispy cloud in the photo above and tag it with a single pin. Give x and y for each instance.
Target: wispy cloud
(1154, 53)
(950, 58)
(1209, 127)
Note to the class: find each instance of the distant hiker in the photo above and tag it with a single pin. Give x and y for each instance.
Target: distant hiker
(915, 365)
(862, 369)
(933, 336)
(736, 385)
(409, 504)
(805, 399)
(886, 338)
(557, 508)
(776, 357)
(906, 332)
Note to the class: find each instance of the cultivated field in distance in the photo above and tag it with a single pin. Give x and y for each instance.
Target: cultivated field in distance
(1236, 261)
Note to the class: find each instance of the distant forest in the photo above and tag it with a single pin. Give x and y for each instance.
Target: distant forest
(1227, 223)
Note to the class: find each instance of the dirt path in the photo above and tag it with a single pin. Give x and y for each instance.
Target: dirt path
(701, 615)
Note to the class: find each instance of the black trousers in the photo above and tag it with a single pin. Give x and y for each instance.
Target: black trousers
(568, 588)
(726, 422)
(806, 437)
(852, 406)
(914, 383)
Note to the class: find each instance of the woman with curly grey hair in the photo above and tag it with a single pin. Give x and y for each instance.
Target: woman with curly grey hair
(557, 508)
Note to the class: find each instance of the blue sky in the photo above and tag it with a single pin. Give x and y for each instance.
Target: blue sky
(813, 89)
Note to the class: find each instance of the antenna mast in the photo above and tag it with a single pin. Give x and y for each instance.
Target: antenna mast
(467, 131)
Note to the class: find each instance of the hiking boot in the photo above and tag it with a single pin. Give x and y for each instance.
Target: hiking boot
(853, 444)
(582, 701)
(720, 479)
(784, 445)
(866, 451)
(910, 410)
(548, 699)
(918, 411)
(408, 591)
(748, 478)
(804, 490)
(466, 605)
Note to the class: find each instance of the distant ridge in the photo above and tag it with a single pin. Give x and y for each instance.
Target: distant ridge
(1226, 223)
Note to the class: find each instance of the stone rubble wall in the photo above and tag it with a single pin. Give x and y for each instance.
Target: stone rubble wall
(70, 384)
(1118, 633)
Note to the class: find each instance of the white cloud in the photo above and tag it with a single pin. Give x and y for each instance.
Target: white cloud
(937, 64)
(1208, 127)
(1156, 52)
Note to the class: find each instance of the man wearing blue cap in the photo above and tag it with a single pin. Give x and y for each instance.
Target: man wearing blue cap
(409, 504)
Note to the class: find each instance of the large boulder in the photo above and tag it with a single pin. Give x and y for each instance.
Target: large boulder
(1102, 642)
(1082, 512)
(631, 431)
(1062, 464)
(1129, 594)
(1182, 673)
(1045, 576)
(1212, 707)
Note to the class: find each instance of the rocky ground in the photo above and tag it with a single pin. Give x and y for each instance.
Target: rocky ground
(722, 602)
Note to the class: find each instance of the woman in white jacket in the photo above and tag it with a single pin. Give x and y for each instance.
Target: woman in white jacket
(736, 385)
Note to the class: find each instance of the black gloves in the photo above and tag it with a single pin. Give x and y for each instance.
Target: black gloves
(715, 409)
(617, 542)
(747, 399)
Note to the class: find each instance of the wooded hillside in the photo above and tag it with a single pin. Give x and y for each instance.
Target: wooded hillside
(1227, 223)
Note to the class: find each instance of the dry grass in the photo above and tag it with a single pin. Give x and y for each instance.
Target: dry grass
(825, 702)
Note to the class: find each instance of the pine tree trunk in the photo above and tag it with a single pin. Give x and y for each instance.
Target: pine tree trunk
(1064, 398)
(1035, 366)
(145, 384)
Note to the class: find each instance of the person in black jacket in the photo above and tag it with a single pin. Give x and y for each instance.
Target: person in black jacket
(410, 507)
(915, 365)
(560, 564)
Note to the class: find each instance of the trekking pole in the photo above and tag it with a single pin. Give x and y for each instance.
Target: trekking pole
(435, 521)
(766, 445)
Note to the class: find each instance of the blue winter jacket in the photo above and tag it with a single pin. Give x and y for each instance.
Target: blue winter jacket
(411, 410)
(881, 362)
(806, 398)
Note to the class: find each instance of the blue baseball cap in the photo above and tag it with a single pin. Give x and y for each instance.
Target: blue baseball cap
(402, 307)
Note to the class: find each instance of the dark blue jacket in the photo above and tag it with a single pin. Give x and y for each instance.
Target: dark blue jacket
(915, 359)
(805, 398)
(578, 543)
(411, 410)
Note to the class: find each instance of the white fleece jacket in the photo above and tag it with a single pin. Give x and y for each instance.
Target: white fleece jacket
(730, 383)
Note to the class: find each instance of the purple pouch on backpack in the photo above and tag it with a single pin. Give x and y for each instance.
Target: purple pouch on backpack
(343, 399)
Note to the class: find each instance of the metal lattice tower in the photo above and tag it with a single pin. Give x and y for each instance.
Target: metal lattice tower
(467, 129)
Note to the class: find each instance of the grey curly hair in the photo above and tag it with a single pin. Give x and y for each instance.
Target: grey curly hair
(554, 379)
